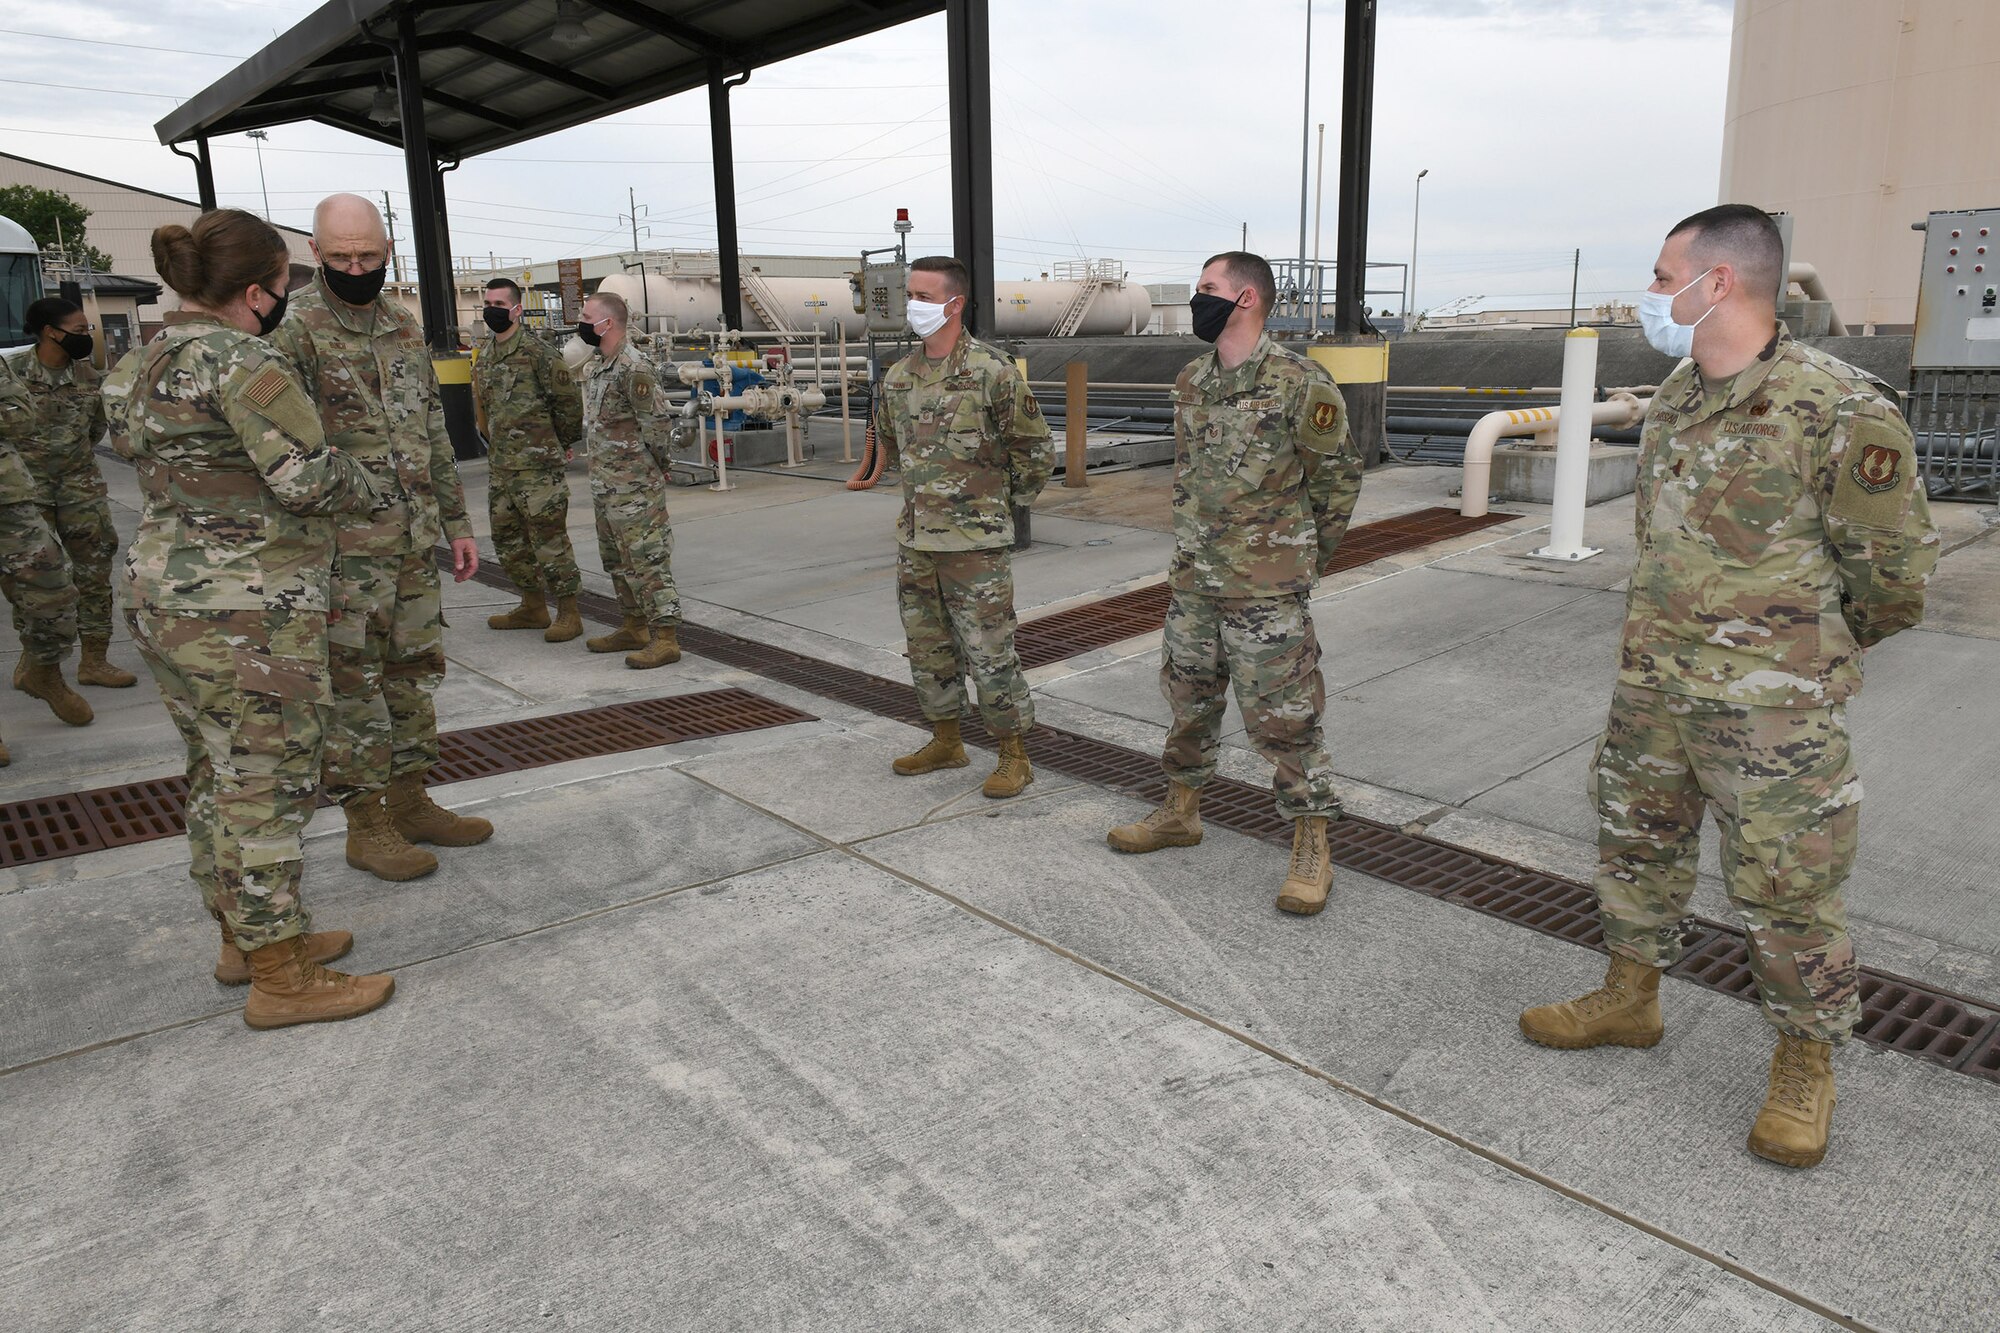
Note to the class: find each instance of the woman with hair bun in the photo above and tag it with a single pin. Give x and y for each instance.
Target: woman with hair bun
(226, 596)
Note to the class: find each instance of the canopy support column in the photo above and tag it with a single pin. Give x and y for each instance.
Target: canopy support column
(728, 253)
(968, 61)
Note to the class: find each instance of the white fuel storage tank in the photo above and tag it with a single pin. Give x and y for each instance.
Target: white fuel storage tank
(1026, 309)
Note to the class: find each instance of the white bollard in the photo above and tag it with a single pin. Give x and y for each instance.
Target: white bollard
(1579, 392)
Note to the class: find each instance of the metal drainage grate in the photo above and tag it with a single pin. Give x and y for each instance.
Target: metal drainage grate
(1897, 1013)
(49, 828)
(46, 828)
(138, 811)
(1127, 615)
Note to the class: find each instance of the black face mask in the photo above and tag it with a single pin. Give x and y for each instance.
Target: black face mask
(588, 332)
(77, 346)
(497, 319)
(354, 288)
(266, 323)
(1211, 315)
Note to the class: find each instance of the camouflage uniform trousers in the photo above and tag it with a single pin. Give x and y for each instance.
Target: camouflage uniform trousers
(1782, 786)
(958, 619)
(530, 513)
(1267, 649)
(76, 509)
(386, 652)
(35, 575)
(247, 691)
(635, 541)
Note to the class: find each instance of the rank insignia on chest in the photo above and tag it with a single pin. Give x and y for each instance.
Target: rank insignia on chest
(1761, 408)
(1323, 417)
(1875, 471)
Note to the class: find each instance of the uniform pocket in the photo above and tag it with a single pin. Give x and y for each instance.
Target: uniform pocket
(1739, 512)
(1802, 831)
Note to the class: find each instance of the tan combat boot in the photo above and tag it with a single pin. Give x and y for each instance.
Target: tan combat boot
(287, 987)
(1177, 823)
(96, 668)
(1624, 1011)
(568, 623)
(232, 967)
(374, 845)
(532, 613)
(1013, 773)
(420, 819)
(664, 648)
(45, 681)
(1310, 876)
(943, 750)
(1791, 1130)
(628, 637)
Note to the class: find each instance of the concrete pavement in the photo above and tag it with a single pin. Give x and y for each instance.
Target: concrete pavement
(748, 1033)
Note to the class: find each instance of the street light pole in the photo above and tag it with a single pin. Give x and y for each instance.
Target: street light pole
(260, 136)
(1416, 217)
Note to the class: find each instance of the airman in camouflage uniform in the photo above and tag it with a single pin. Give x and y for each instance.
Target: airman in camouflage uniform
(365, 363)
(1266, 477)
(225, 589)
(61, 457)
(1782, 531)
(629, 432)
(34, 571)
(957, 419)
(532, 416)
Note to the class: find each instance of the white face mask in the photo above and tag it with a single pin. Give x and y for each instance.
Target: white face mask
(1656, 317)
(927, 317)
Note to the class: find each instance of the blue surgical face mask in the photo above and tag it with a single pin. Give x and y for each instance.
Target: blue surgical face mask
(1656, 317)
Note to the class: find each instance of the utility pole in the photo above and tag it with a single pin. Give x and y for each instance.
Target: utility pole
(645, 295)
(260, 136)
(1305, 139)
(389, 216)
(1575, 267)
(1245, 244)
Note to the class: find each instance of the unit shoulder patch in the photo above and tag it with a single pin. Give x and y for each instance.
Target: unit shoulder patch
(1324, 427)
(1874, 485)
(1030, 406)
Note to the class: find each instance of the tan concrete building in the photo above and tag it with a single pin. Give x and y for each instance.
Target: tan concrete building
(122, 218)
(1858, 117)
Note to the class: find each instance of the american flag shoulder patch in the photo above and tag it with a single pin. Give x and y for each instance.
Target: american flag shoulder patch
(265, 388)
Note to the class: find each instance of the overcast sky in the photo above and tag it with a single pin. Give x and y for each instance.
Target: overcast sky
(1136, 129)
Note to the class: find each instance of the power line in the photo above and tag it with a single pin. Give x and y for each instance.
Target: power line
(81, 88)
(128, 46)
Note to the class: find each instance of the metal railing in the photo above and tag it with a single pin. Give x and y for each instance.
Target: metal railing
(1954, 412)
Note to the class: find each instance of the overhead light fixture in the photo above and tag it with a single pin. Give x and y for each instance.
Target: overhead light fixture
(569, 30)
(382, 108)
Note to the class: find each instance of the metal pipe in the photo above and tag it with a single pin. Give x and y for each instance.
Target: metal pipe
(1319, 192)
(1619, 410)
(1808, 279)
(846, 411)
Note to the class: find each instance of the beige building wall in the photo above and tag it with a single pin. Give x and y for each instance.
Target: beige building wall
(122, 219)
(1858, 117)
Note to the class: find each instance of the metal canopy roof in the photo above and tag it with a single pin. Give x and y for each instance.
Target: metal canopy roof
(492, 74)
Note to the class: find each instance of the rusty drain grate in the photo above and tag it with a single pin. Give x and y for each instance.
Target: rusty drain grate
(1896, 1012)
(49, 828)
(1127, 615)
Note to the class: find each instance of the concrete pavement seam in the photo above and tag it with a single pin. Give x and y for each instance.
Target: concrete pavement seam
(1504, 1162)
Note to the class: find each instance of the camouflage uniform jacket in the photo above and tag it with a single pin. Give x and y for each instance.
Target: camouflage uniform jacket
(1265, 474)
(235, 473)
(17, 425)
(1782, 528)
(370, 373)
(971, 444)
(529, 405)
(69, 412)
(626, 418)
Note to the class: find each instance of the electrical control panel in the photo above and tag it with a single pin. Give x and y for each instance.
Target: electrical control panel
(1958, 295)
(882, 296)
